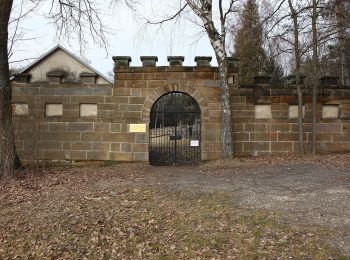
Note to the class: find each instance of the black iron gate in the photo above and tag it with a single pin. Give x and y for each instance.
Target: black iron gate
(175, 131)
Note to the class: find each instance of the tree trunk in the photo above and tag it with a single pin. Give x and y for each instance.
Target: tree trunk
(297, 76)
(7, 142)
(226, 119)
(217, 41)
(300, 117)
(315, 76)
(342, 26)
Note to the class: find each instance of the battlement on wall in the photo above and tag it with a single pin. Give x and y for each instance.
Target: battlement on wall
(122, 63)
(149, 74)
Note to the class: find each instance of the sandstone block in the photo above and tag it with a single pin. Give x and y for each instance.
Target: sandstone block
(100, 155)
(57, 126)
(80, 127)
(80, 146)
(76, 155)
(326, 147)
(97, 146)
(93, 136)
(139, 148)
(329, 127)
(115, 147)
(281, 146)
(280, 127)
(125, 147)
(142, 157)
(119, 137)
(256, 146)
(251, 127)
(119, 156)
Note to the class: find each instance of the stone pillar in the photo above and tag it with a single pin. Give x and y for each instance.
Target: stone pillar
(203, 61)
(121, 61)
(176, 60)
(149, 61)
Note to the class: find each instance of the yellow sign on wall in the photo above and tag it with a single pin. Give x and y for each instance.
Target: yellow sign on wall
(137, 128)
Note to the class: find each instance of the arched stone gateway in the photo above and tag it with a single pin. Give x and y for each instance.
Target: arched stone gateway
(175, 130)
(139, 89)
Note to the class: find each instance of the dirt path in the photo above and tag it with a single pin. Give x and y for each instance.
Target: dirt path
(315, 191)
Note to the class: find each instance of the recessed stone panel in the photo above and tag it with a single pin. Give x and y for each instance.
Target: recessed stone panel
(293, 111)
(54, 110)
(20, 109)
(263, 111)
(330, 111)
(88, 110)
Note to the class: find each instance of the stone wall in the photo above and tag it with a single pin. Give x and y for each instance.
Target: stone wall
(88, 121)
(257, 132)
(52, 127)
(74, 121)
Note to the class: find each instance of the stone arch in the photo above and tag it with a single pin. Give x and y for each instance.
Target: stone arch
(161, 91)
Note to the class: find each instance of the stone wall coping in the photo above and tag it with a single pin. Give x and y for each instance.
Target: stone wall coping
(261, 91)
(88, 74)
(60, 85)
(181, 58)
(22, 77)
(149, 61)
(153, 58)
(122, 58)
(55, 74)
(165, 69)
(203, 61)
(203, 58)
(27, 75)
(170, 69)
(292, 86)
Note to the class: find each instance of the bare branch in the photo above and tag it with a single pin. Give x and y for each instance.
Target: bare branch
(178, 13)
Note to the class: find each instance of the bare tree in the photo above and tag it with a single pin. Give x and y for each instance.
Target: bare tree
(342, 21)
(288, 26)
(316, 71)
(297, 56)
(7, 142)
(70, 17)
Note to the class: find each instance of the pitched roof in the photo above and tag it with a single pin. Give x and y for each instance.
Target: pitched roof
(59, 47)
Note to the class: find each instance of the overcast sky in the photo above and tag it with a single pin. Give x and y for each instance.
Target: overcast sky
(128, 36)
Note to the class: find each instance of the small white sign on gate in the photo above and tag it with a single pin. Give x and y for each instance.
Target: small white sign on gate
(194, 143)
